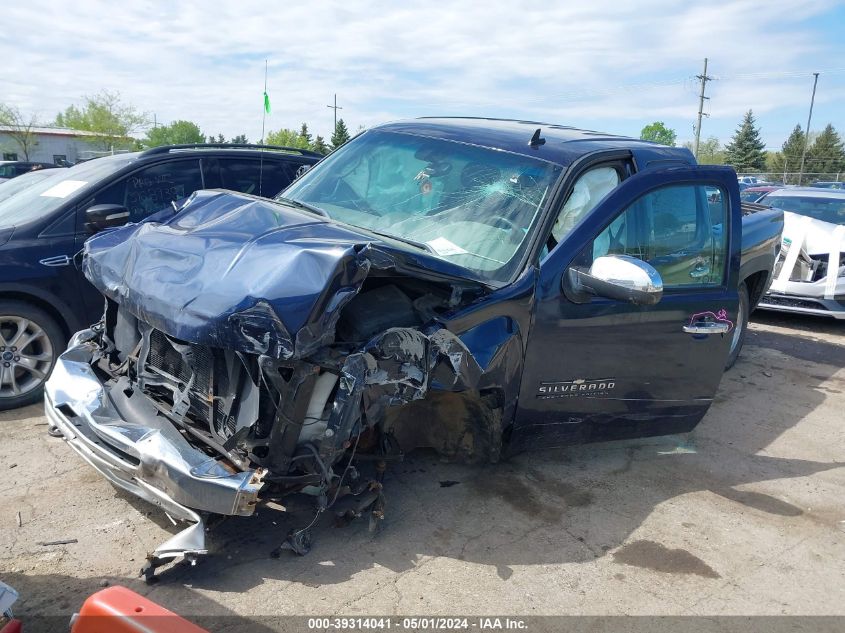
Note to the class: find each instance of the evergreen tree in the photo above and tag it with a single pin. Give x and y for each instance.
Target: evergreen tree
(305, 136)
(240, 138)
(340, 135)
(745, 151)
(789, 158)
(826, 155)
(319, 145)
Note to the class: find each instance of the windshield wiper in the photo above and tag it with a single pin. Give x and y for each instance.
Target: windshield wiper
(406, 240)
(302, 205)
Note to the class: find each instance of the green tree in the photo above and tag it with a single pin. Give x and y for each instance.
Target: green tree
(111, 120)
(789, 158)
(240, 138)
(710, 152)
(659, 133)
(219, 139)
(177, 133)
(340, 134)
(827, 153)
(319, 145)
(745, 151)
(286, 138)
(305, 135)
(19, 128)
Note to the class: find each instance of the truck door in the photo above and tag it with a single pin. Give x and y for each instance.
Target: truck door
(599, 368)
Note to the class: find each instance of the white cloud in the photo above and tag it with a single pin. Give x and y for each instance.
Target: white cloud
(603, 64)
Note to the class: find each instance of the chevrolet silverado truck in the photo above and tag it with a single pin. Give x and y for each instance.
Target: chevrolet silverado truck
(477, 286)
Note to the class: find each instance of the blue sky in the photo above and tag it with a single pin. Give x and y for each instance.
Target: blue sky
(603, 65)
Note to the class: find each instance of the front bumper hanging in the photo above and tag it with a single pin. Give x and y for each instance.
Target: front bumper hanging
(124, 438)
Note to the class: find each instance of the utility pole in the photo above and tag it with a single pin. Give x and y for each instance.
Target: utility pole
(807, 135)
(704, 79)
(335, 107)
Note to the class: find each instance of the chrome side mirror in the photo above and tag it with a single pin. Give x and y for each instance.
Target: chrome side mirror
(619, 277)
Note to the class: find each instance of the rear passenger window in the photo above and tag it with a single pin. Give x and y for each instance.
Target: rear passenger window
(152, 189)
(245, 176)
(678, 229)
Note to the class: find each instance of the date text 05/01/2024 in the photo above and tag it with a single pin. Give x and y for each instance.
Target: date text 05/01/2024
(426, 623)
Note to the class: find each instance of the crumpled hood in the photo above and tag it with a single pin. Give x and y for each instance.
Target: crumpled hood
(237, 272)
(820, 238)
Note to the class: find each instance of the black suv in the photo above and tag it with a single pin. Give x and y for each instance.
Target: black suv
(44, 298)
(14, 168)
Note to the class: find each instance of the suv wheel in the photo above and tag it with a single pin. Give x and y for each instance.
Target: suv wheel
(30, 341)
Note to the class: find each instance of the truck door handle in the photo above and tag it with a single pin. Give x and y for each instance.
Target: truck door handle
(707, 327)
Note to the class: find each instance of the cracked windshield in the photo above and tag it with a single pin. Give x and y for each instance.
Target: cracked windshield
(471, 206)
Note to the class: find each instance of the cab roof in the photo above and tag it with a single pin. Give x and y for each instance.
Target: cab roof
(563, 144)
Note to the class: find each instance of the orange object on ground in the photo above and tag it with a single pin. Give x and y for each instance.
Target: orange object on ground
(12, 626)
(120, 610)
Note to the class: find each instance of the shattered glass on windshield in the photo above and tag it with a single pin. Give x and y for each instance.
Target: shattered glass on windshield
(470, 205)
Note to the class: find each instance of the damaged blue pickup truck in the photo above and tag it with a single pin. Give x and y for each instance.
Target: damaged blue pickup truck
(476, 286)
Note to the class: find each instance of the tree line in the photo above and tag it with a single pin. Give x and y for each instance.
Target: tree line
(746, 150)
(113, 124)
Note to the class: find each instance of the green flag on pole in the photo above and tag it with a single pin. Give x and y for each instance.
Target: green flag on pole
(266, 103)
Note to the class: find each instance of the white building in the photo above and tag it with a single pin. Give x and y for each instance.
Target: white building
(58, 145)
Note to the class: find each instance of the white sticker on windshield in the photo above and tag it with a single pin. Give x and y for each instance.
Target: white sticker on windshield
(442, 246)
(64, 188)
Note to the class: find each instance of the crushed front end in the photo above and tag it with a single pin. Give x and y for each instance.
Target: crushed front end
(809, 275)
(220, 418)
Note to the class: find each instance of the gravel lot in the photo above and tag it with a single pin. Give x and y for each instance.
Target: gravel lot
(745, 516)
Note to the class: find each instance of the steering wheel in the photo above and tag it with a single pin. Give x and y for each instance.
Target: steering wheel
(495, 220)
(514, 233)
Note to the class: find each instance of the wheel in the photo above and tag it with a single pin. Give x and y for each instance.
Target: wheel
(30, 341)
(738, 336)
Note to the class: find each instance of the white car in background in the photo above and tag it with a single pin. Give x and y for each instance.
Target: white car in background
(810, 273)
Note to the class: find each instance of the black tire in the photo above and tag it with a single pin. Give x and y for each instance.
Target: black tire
(741, 328)
(25, 369)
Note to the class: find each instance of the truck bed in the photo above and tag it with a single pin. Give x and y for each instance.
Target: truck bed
(762, 227)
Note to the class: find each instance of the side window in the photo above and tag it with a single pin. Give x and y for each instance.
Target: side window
(678, 229)
(152, 189)
(243, 176)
